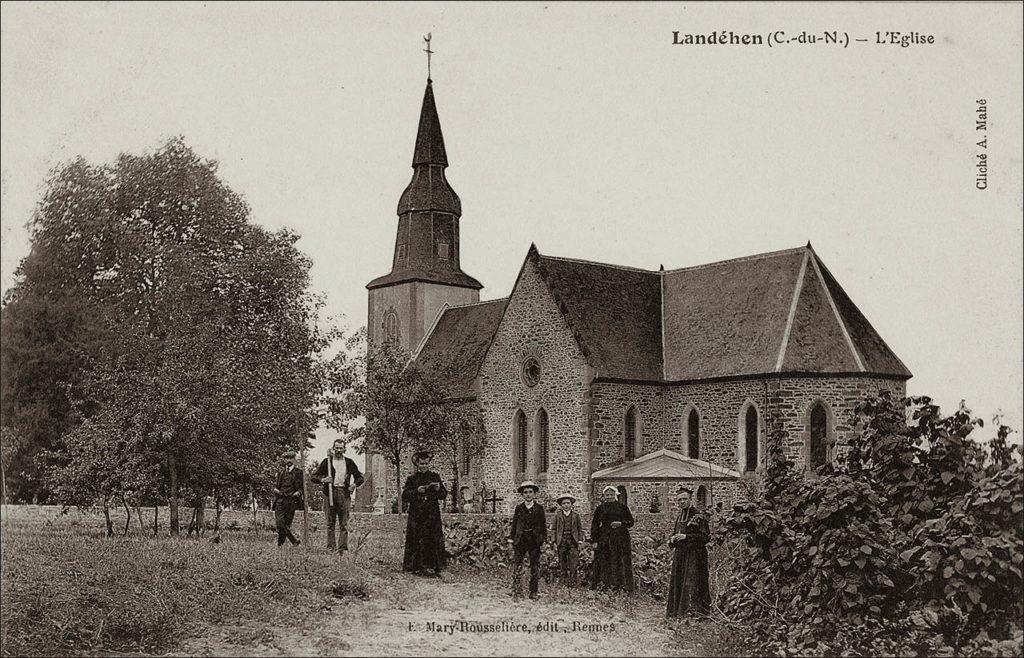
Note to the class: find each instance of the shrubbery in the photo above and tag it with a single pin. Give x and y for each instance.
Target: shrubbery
(911, 546)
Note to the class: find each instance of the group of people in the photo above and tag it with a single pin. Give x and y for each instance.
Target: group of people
(337, 474)
(425, 552)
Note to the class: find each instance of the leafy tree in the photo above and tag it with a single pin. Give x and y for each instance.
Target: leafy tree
(192, 337)
(394, 398)
(906, 547)
(455, 432)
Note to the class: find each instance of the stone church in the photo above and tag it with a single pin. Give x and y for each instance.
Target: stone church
(590, 374)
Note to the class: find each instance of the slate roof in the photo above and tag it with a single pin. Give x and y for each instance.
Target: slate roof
(454, 348)
(614, 312)
(778, 312)
(775, 313)
(665, 465)
(429, 189)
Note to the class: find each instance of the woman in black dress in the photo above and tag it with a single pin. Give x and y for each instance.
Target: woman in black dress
(688, 590)
(613, 555)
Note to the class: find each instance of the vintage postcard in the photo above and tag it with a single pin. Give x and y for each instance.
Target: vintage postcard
(485, 329)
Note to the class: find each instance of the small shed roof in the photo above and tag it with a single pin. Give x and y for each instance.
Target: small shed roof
(665, 465)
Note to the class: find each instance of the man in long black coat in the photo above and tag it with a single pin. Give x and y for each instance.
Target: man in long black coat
(688, 589)
(424, 540)
(527, 536)
(613, 555)
(287, 497)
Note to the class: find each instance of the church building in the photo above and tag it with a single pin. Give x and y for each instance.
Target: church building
(590, 374)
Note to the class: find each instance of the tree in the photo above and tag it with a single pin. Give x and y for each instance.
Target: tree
(389, 391)
(192, 337)
(456, 434)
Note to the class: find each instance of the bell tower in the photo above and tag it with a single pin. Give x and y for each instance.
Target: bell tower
(425, 271)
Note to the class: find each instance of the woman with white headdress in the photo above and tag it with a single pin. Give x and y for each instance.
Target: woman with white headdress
(613, 553)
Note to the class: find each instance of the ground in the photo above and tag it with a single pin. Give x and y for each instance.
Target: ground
(562, 622)
(69, 590)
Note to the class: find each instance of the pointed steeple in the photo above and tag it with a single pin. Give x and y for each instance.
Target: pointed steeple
(429, 140)
(428, 189)
(427, 245)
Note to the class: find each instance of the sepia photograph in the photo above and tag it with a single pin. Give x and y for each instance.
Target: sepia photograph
(511, 329)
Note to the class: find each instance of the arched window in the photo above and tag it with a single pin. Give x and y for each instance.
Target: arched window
(702, 496)
(819, 435)
(630, 434)
(391, 327)
(542, 438)
(520, 434)
(693, 435)
(750, 442)
(623, 495)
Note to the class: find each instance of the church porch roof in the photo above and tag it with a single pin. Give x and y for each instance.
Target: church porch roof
(665, 464)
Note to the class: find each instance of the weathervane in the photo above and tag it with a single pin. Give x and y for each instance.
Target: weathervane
(429, 53)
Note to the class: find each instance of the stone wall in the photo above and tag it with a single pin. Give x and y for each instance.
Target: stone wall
(721, 407)
(791, 401)
(533, 326)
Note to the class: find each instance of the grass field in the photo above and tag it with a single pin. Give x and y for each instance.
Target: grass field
(67, 589)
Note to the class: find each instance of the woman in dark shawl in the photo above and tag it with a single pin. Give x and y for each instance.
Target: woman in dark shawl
(424, 540)
(688, 590)
(613, 555)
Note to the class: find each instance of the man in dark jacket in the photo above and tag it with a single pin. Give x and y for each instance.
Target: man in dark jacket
(339, 476)
(529, 531)
(424, 537)
(287, 497)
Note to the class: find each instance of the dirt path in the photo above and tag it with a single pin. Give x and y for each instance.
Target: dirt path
(465, 615)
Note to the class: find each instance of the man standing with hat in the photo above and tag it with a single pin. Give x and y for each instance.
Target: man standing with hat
(287, 497)
(529, 531)
(568, 535)
(340, 477)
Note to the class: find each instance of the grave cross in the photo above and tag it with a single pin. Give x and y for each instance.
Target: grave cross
(494, 500)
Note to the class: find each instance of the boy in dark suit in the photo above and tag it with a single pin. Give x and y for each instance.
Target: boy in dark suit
(287, 497)
(529, 531)
(568, 535)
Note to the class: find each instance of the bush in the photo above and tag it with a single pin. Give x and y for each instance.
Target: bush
(911, 546)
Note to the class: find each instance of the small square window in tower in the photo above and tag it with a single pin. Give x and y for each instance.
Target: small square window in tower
(442, 250)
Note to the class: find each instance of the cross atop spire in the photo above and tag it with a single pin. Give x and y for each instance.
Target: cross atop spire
(429, 52)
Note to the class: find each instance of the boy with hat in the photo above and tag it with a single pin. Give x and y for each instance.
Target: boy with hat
(568, 534)
(529, 531)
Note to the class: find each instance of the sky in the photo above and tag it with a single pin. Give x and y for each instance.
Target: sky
(581, 128)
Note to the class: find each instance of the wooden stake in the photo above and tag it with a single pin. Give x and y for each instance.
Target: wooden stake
(305, 499)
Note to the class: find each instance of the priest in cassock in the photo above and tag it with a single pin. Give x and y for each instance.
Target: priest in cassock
(613, 555)
(688, 590)
(424, 540)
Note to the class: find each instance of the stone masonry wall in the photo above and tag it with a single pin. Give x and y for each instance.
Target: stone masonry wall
(721, 407)
(533, 326)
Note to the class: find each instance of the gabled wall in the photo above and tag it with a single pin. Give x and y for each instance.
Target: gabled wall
(533, 326)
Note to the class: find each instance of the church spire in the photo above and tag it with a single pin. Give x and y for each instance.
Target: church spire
(427, 247)
(429, 140)
(428, 189)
